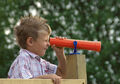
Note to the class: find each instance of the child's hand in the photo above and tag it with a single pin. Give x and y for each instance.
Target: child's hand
(59, 50)
(56, 79)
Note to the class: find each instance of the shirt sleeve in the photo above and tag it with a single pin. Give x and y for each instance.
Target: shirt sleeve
(52, 68)
(20, 69)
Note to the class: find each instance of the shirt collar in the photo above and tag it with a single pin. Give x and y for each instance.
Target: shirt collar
(30, 54)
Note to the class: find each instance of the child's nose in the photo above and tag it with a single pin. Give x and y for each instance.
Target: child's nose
(48, 43)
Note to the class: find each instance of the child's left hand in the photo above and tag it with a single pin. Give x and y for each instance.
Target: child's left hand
(59, 50)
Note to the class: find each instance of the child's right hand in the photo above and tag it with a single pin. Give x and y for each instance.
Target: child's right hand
(55, 78)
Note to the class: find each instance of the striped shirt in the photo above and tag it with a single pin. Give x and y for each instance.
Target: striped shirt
(29, 65)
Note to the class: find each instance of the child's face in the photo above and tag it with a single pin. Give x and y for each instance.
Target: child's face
(40, 46)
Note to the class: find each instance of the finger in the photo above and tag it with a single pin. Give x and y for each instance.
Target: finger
(52, 46)
(59, 37)
(55, 47)
(58, 81)
(54, 82)
(65, 37)
(60, 48)
(56, 37)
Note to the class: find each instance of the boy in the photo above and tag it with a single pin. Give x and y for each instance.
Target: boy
(33, 35)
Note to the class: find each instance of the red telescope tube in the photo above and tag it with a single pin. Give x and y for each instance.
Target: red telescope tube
(81, 44)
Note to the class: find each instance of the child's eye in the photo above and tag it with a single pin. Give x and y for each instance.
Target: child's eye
(46, 40)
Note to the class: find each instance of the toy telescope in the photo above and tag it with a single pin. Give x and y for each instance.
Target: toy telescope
(76, 44)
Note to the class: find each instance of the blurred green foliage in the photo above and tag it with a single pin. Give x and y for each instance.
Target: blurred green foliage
(94, 20)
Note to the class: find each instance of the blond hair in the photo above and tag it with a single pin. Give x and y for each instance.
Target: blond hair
(29, 27)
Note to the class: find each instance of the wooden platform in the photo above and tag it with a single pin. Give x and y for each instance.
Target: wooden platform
(40, 81)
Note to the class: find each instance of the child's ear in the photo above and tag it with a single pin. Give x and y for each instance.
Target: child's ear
(29, 41)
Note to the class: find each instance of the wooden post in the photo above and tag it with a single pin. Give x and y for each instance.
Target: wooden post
(76, 67)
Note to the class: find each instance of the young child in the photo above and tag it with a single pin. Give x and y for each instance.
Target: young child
(33, 35)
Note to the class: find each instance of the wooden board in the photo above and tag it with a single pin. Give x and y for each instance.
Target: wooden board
(40, 81)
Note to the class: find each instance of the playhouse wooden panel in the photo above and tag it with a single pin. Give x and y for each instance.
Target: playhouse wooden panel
(40, 81)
